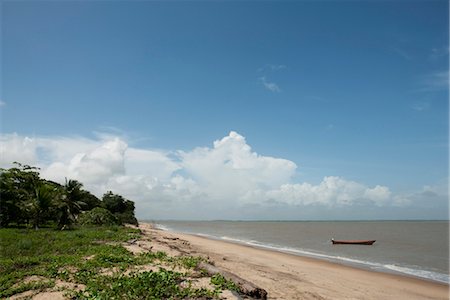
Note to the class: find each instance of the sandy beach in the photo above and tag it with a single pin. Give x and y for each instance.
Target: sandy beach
(286, 276)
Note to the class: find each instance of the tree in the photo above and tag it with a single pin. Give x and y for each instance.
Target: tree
(70, 203)
(98, 216)
(113, 203)
(90, 201)
(17, 189)
(9, 208)
(127, 215)
(122, 208)
(25, 198)
(40, 204)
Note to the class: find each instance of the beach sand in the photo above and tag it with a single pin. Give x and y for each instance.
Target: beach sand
(286, 276)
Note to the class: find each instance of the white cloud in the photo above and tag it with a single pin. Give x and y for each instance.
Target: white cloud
(271, 86)
(267, 70)
(2, 103)
(230, 168)
(94, 166)
(17, 148)
(222, 179)
(332, 191)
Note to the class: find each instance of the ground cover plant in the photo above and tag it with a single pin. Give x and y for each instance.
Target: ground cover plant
(93, 258)
(61, 237)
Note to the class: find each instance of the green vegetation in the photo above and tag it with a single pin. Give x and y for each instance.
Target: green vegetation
(30, 201)
(57, 255)
(90, 260)
(98, 216)
(221, 283)
(95, 258)
(164, 284)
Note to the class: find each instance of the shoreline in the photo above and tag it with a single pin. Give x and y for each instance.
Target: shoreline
(315, 256)
(373, 266)
(355, 265)
(291, 276)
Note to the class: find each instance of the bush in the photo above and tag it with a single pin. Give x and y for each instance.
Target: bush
(98, 216)
(127, 218)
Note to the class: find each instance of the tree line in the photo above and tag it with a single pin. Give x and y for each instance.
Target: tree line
(26, 199)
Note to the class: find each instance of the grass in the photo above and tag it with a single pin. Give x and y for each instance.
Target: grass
(81, 256)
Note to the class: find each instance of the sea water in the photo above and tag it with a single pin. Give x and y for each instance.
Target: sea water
(415, 248)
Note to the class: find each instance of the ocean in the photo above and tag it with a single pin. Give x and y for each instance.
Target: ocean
(414, 248)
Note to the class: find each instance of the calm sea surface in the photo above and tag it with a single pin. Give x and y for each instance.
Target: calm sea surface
(417, 248)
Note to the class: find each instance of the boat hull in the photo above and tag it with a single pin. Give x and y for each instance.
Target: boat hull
(353, 242)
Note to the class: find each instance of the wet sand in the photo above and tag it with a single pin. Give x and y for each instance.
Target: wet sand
(286, 276)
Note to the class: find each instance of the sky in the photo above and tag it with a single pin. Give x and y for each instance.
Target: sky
(291, 110)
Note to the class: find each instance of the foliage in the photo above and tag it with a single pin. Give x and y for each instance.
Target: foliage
(69, 203)
(40, 205)
(90, 201)
(123, 209)
(81, 255)
(17, 189)
(98, 216)
(50, 253)
(127, 218)
(164, 284)
(222, 283)
(26, 199)
(39, 286)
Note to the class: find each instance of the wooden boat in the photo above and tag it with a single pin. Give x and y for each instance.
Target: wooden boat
(353, 242)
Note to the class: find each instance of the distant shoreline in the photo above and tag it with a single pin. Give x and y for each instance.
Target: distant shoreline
(286, 276)
(257, 220)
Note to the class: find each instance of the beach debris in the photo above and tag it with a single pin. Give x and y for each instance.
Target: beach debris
(230, 295)
(246, 287)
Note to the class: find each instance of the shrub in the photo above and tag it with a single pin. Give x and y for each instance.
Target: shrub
(98, 216)
(127, 218)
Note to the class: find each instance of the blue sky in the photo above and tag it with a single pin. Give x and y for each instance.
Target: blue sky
(356, 90)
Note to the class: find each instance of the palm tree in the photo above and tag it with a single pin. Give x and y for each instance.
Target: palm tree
(70, 203)
(39, 205)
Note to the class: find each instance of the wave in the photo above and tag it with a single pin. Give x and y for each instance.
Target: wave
(161, 227)
(420, 273)
(391, 268)
(365, 264)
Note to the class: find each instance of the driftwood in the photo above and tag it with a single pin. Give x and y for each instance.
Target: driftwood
(246, 287)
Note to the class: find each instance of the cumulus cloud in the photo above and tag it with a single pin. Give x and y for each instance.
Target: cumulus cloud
(17, 148)
(332, 191)
(231, 163)
(224, 179)
(96, 165)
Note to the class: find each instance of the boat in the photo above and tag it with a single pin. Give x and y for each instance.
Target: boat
(352, 242)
